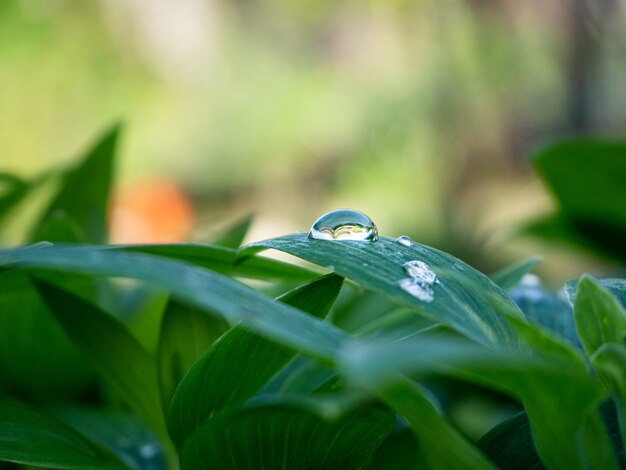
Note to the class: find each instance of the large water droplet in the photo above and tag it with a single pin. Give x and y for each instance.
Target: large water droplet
(344, 224)
(418, 289)
(404, 240)
(421, 271)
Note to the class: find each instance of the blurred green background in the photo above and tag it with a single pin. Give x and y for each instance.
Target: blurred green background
(421, 114)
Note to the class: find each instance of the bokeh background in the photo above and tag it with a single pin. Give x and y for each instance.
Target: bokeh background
(420, 113)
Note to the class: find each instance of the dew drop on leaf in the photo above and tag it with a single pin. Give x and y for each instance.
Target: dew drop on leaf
(404, 240)
(418, 289)
(344, 224)
(420, 271)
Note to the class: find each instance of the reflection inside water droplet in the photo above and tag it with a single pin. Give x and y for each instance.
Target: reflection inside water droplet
(420, 270)
(418, 289)
(404, 240)
(344, 224)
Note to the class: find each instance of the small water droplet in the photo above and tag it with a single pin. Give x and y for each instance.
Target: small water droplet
(404, 240)
(421, 271)
(344, 224)
(418, 289)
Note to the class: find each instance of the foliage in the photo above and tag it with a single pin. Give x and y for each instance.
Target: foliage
(326, 375)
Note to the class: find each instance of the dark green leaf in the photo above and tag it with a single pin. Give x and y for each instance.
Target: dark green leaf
(119, 358)
(32, 438)
(214, 292)
(118, 433)
(441, 445)
(400, 450)
(609, 362)
(36, 356)
(84, 195)
(240, 363)
(186, 332)
(379, 266)
(510, 445)
(600, 318)
(234, 236)
(224, 260)
(285, 435)
(587, 178)
(558, 396)
(510, 276)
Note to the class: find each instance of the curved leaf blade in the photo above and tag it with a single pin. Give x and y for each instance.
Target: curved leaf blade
(238, 365)
(32, 438)
(378, 266)
(285, 435)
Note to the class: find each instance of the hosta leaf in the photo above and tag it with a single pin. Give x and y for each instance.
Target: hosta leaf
(240, 363)
(379, 266)
(32, 438)
(548, 309)
(617, 287)
(285, 435)
(600, 318)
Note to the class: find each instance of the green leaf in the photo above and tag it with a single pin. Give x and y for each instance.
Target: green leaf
(378, 266)
(60, 227)
(617, 287)
(558, 397)
(285, 435)
(84, 195)
(441, 446)
(186, 332)
(510, 445)
(609, 362)
(12, 190)
(600, 318)
(224, 260)
(548, 309)
(234, 236)
(587, 178)
(115, 432)
(119, 358)
(214, 292)
(236, 366)
(510, 276)
(26, 329)
(31, 438)
(559, 229)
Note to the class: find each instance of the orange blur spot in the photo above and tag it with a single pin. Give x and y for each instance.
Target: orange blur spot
(151, 211)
